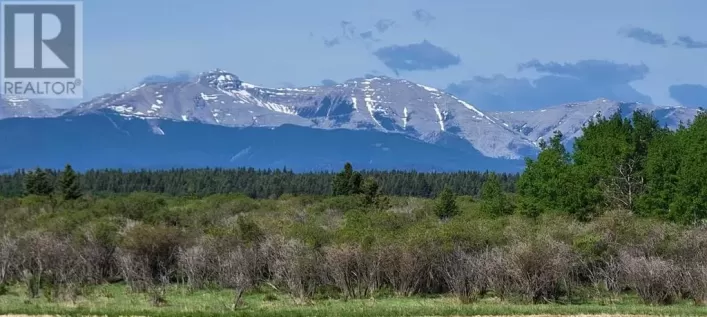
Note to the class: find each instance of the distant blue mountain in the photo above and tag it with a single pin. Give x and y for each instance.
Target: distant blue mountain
(107, 140)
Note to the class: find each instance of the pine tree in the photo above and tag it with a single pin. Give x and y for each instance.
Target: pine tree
(493, 200)
(543, 181)
(69, 184)
(355, 182)
(37, 183)
(347, 182)
(371, 191)
(445, 205)
(340, 185)
(30, 183)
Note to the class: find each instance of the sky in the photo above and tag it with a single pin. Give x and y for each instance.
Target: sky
(500, 55)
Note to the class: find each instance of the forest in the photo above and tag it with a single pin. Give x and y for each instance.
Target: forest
(252, 183)
(620, 215)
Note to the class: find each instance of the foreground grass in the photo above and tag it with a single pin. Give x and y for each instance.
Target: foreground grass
(116, 300)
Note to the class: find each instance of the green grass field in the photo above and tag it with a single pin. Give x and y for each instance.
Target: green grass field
(117, 300)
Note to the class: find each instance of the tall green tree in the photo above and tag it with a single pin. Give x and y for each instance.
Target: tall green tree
(370, 190)
(662, 164)
(372, 196)
(599, 157)
(355, 182)
(545, 183)
(347, 182)
(69, 184)
(611, 157)
(445, 204)
(38, 183)
(493, 199)
(689, 205)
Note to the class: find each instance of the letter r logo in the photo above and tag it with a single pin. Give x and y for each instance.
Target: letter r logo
(39, 39)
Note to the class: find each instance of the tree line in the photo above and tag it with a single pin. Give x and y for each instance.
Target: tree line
(251, 182)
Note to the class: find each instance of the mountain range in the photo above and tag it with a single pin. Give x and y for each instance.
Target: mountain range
(218, 120)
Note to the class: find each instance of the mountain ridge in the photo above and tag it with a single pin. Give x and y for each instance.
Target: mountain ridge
(380, 104)
(376, 103)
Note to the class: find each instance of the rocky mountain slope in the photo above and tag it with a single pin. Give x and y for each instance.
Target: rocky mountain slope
(379, 104)
(396, 110)
(13, 107)
(570, 118)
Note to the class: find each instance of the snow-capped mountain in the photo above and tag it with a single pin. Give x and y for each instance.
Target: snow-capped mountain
(570, 118)
(13, 107)
(393, 121)
(379, 103)
(216, 97)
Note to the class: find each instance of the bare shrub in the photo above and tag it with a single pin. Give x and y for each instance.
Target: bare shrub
(539, 270)
(294, 265)
(500, 279)
(355, 271)
(8, 258)
(52, 265)
(195, 263)
(148, 258)
(605, 276)
(405, 269)
(237, 270)
(466, 274)
(654, 279)
(690, 252)
(98, 247)
(135, 270)
(694, 281)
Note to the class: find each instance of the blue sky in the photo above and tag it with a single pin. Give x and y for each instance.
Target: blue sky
(499, 55)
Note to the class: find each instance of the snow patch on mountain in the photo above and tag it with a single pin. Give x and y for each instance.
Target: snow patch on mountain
(379, 103)
(16, 107)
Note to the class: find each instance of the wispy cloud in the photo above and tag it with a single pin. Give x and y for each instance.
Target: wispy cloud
(652, 38)
(688, 42)
(417, 56)
(332, 42)
(423, 16)
(643, 35)
(383, 25)
(591, 70)
(366, 35)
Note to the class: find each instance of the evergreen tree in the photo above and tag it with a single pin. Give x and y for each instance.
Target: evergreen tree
(689, 203)
(446, 205)
(69, 184)
(30, 183)
(610, 158)
(493, 200)
(347, 182)
(544, 182)
(342, 181)
(661, 168)
(38, 183)
(355, 183)
(371, 194)
(258, 183)
(370, 190)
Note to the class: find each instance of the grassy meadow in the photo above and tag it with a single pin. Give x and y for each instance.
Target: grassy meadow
(118, 300)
